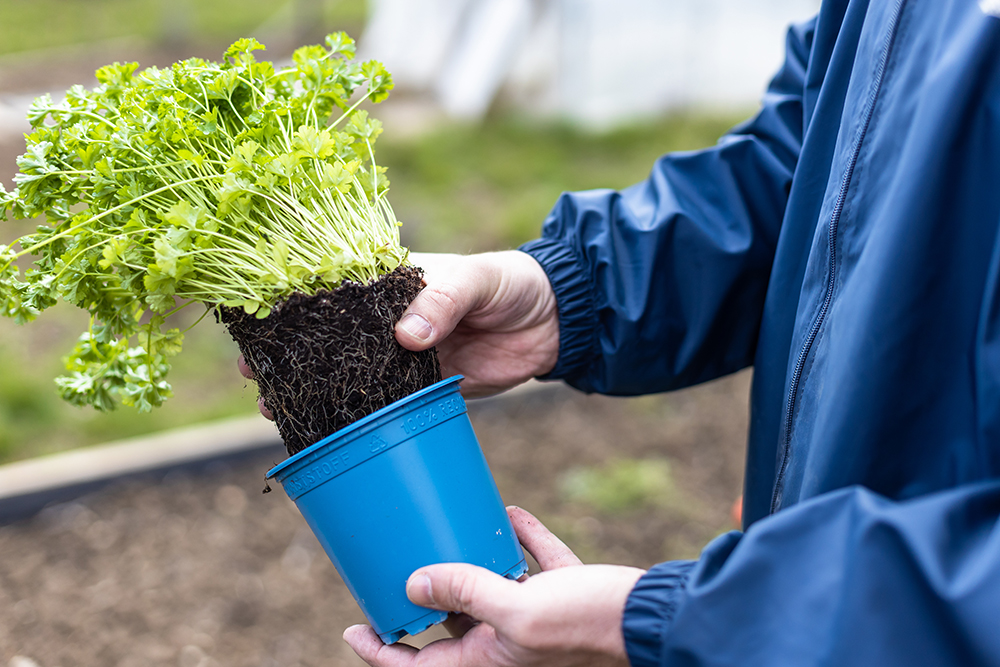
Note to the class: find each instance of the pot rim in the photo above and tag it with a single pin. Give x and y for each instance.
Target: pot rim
(351, 429)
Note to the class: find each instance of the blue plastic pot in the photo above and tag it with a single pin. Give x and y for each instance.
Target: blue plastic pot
(405, 487)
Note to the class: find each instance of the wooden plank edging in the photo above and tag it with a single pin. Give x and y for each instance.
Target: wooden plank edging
(28, 486)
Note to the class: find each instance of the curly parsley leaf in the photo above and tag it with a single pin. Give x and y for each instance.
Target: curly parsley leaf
(218, 183)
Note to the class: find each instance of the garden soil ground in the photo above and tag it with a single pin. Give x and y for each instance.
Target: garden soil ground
(201, 569)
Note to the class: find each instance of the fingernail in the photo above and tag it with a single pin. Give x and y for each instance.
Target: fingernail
(416, 326)
(418, 589)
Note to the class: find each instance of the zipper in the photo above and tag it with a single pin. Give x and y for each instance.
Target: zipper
(838, 209)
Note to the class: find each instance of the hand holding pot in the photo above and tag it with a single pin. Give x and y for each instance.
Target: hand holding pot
(492, 317)
(569, 614)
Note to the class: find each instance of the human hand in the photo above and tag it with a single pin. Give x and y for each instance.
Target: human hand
(492, 316)
(569, 614)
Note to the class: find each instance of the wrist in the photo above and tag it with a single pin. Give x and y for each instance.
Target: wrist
(619, 589)
(520, 299)
(576, 313)
(545, 312)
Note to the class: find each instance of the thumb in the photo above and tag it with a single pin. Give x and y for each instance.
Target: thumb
(459, 587)
(442, 304)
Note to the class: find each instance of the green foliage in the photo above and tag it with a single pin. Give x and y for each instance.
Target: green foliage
(490, 186)
(484, 187)
(35, 421)
(204, 183)
(217, 21)
(620, 485)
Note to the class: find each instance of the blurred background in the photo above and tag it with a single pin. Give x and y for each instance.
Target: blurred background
(500, 105)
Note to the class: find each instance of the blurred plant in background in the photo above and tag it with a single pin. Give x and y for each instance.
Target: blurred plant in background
(470, 188)
(169, 22)
(621, 485)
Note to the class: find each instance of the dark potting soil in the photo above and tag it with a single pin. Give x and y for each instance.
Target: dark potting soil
(322, 362)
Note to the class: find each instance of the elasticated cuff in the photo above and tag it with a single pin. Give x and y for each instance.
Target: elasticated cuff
(650, 609)
(575, 301)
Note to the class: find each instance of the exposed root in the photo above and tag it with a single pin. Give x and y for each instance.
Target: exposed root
(322, 362)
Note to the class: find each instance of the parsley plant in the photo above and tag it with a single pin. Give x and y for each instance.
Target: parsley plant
(223, 184)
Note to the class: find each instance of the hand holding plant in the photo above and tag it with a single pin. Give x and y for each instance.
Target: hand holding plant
(492, 317)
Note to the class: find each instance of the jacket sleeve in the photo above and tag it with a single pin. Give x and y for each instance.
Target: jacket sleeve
(662, 285)
(847, 578)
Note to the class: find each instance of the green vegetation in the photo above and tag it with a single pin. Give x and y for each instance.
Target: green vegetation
(205, 183)
(71, 22)
(620, 485)
(34, 420)
(456, 189)
(476, 188)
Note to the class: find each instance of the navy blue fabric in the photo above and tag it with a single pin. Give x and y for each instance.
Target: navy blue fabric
(844, 243)
(577, 342)
(654, 599)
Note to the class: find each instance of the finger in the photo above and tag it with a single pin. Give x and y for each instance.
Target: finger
(241, 363)
(550, 552)
(370, 648)
(245, 371)
(440, 306)
(465, 588)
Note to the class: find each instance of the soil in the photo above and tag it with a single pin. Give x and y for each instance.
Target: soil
(322, 362)
(200, 569)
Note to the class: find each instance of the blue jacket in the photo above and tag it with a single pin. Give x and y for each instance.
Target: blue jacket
(845, 243)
